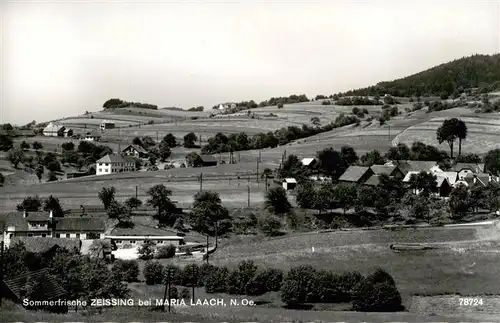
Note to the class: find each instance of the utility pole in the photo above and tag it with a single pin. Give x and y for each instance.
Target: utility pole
(136, 191)
(389, 138)
(257, 170)
(248, 195)
(1, 270)
(201, 182)
(260, 155)
(266, 183)
(157, 138)
(167, 290)
(207, 248)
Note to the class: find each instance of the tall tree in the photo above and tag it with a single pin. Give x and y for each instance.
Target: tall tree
(277, 200)
(459, 201)
(345, 195)
(53, 204)
(160, 199)
(24, 145)
(190, 140)
(349, 155)
(461, 132)
(448, 132)
(209, 216)
(15, 157)
(306, 195)
(372, 158)
(107, 196)
(39, 172)
(492, 162)
(331, 162)
(37, 146)
(424, 182)
(30, 204)
(170, 140)
(6, 142)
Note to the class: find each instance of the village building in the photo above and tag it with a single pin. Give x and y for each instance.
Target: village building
(390, 170)
(135, 151)
(356, 174)
(49, 290)
(106, 124)
(373, 180)
(92, 136)
(289, 183)
(208, 160)
(54, 130)
(114, 163)
(43, 224)
(68, 132)
(442, 188)
(47, 245)
(136, 236)
(309, 162)
(414, 166)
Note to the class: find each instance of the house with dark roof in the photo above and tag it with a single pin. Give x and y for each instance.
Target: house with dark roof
(442, 188)
(44, 225)
(48, 289)
(106, 124)
(47, 244)
(114, 163)
(414, 165)
(390, 170)
(68, 132)
(135, 151)
(93, 135)
(356, 174)
(309, 162)
(208, 160)
(141, 233)
(374, 180)
(54, 130)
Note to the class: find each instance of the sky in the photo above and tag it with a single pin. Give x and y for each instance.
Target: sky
(62, 58)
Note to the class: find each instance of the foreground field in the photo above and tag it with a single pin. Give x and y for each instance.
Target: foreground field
(466, 261)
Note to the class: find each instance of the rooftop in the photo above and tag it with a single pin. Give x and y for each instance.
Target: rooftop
(142, 230)
(307, 161)
(208, 158)
(50, 289)
(136, 147)
(44, 244)
(383, 169)
(353, 173)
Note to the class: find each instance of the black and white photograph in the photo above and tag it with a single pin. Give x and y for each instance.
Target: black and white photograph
(249, 161)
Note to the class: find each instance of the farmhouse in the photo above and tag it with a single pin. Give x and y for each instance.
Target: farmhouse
(135, 151)
(356, 174)
(92, 136)
(68, 132)
(414, 165)
(373, 181)
(106, 124)
(54, 130)
(309, 162)
(49, 290)
(442, 188)
(43, 224)
(208, 160)
(390, 170)
(289, 183)
(47, 245)
(114, 163)
(141, 233)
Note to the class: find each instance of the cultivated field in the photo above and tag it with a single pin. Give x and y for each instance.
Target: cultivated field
(466, 261)
(482, 135)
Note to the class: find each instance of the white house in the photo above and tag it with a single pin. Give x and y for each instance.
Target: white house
(43, 224)
(141, 233)
(289, 183)
(54, 130)
(106, 124)
(92, 136)
(114, 163)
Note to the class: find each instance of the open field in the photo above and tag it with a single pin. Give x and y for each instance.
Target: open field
(466, 261)
(483, 133)
(182, 181)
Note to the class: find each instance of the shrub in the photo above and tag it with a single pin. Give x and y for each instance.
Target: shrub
(205, 271)
(377, 293)
(299, 285)
(190, 275)
(175, 274)
(174, 293)
(239, 278)
(266, 280)
(185, 293)
(355, 110)
(165, 252)
(153, 272)
(216, 280)
(126, 270)
(147, 250)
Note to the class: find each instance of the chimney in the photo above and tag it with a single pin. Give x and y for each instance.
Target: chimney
(25, 214)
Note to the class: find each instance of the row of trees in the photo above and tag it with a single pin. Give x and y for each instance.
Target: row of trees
(117, 104)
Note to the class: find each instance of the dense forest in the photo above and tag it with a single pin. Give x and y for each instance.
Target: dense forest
(449, 79)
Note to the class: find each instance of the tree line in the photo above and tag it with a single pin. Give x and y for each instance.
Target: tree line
(116, 103)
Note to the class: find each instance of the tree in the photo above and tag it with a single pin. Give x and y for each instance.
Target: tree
(269, 225)
(265, 280)
(459, 201)
(30, 204)
(315, 121)
(126, 270)
(133, 202)
(2, 179)
(194, 160)
(166, 252)
(292, 167)
(153, 272)
(137, 141)
(325, 197)
(377, 293)
(306, 195)
(266, 173)
(331, 162)
(299, 285)
(37, 146)
(240, 277)
(345, 195)
(6, 143)
(164, 151)
(52, 177)
(54, 166)
(208, 215)
(170, 140)
(160, 199)
(190, 277)
(277, 200)
(147, 250)
(216, 281)
(15, 157)
(448, 132)
(280, 105)
(120, 212)
(68, 146)
(492, 162)
(372, 158)
(148, 142)
(400, 152)
(24, 145)
(107, 196)
(415, 207)
(461, 132)
(348, 155)
(39, 172)
(424, 182)
(52, 203)
(190, 140)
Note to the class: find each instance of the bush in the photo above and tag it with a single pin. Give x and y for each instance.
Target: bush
(216, 280)
(204, 272)
(153, 272)
(126, 270)
(175, 274)
(165, 252)
(377, 293)
(190, 275)
(266, 280)
(147, 250)
(238, 279)
(185, 293)
(299, 285)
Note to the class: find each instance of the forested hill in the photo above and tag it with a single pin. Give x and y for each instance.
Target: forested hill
(449, 79)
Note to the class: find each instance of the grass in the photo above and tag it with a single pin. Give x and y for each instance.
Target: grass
(439, 271)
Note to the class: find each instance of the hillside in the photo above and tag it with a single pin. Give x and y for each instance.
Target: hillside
(452, 78)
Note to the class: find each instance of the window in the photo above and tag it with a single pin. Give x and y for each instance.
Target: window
(118, 241)
(132, 241)
(160, 241)
(100, 170)
(58, 235)
(30, 234)
(67, 235)
(10, 236)
(78, 235)
(44, 235)
(107, 170)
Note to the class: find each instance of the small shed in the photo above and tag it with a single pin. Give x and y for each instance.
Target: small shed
(289, 183)
(208, 160)
(106, 124)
